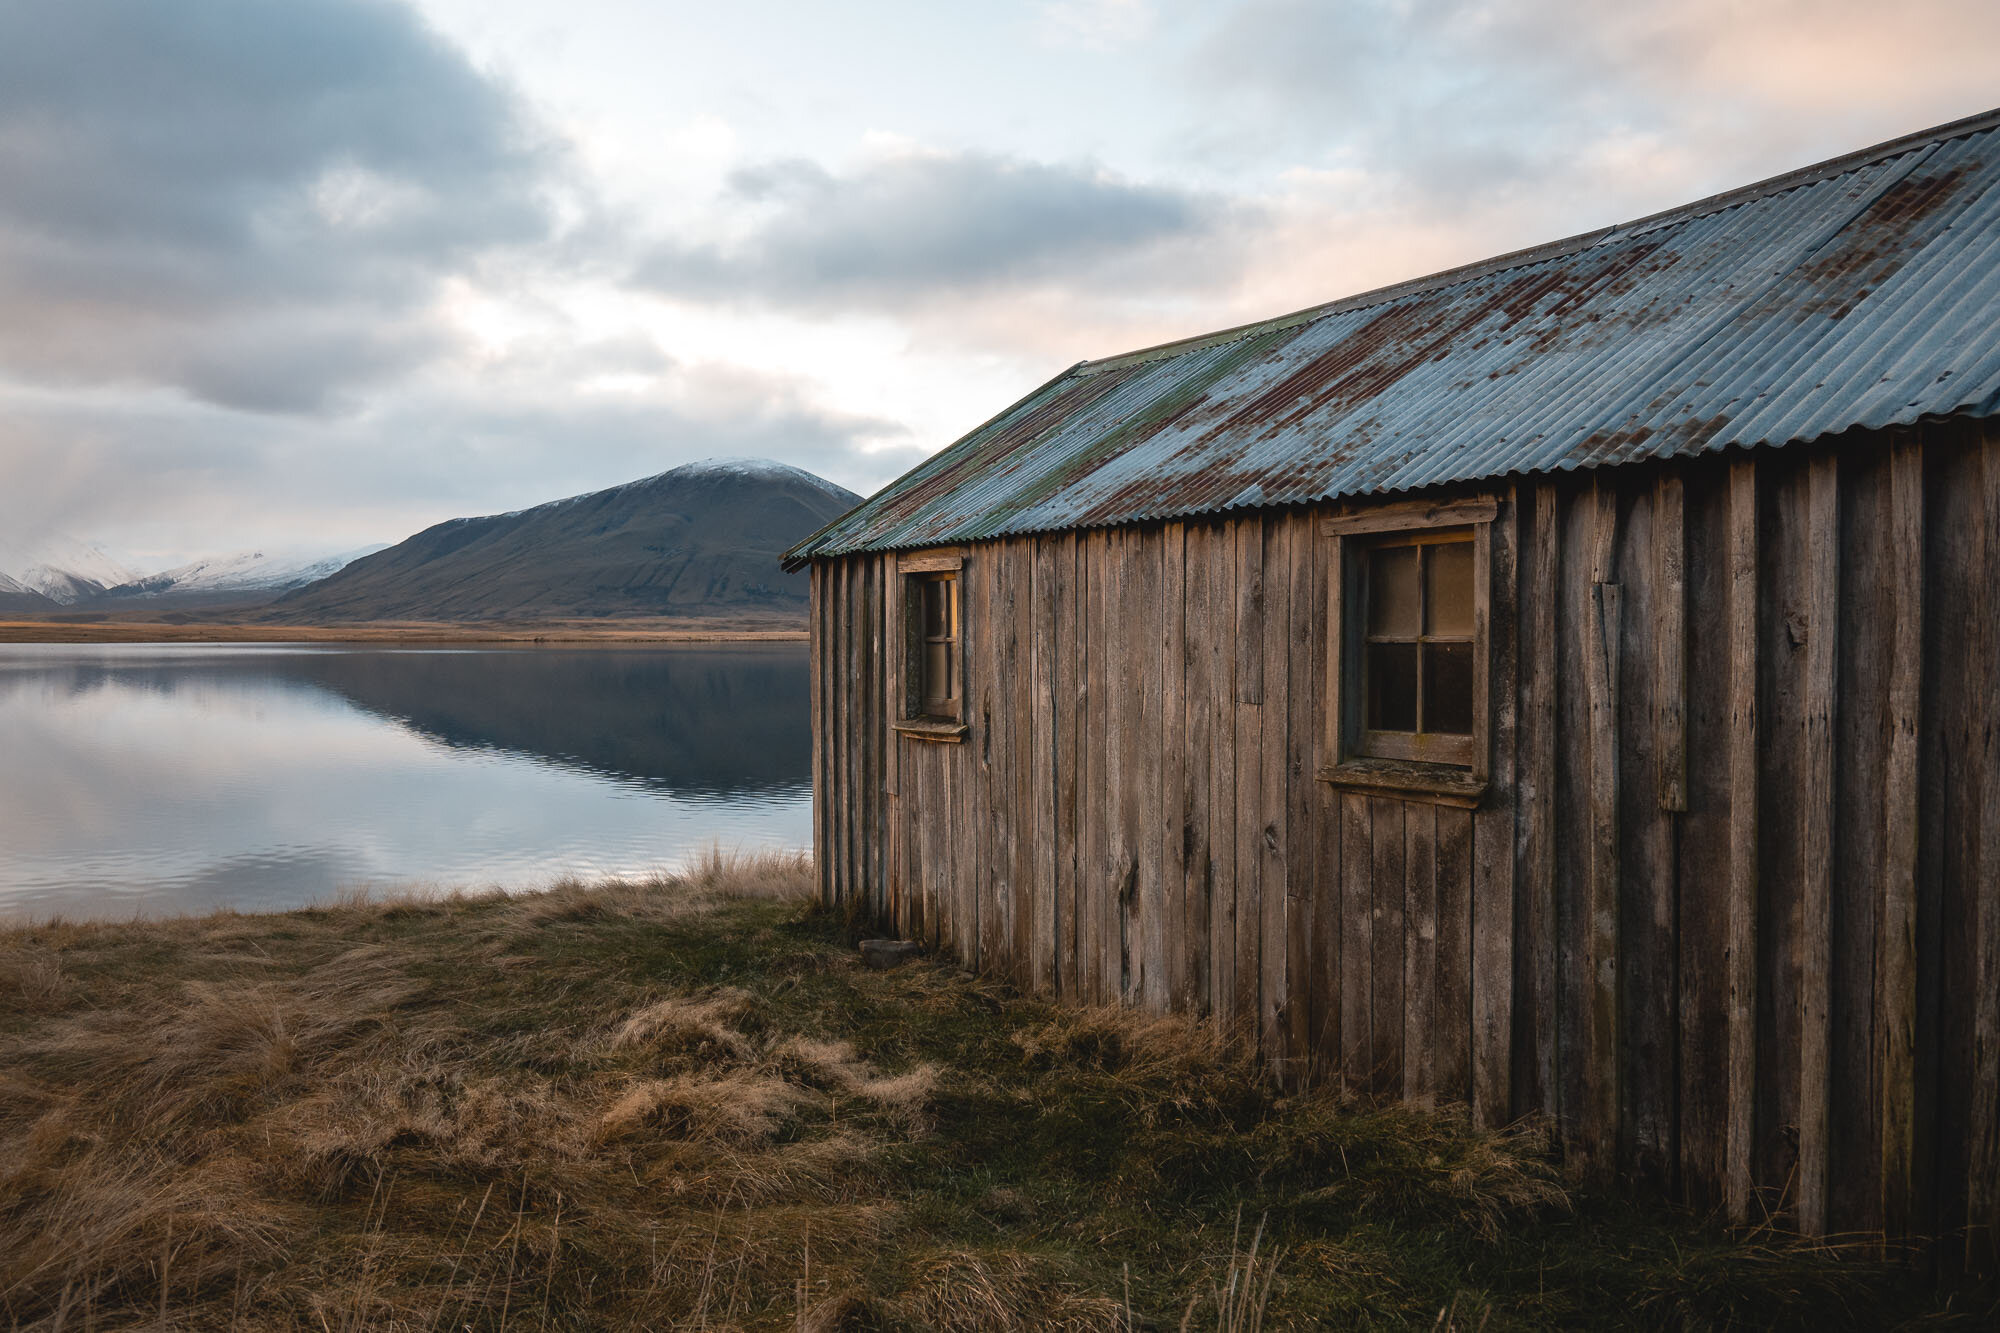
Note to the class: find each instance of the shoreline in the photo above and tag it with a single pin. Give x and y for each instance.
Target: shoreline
(627, 632)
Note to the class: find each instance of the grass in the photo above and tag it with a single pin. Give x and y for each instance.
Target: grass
(682, 1104)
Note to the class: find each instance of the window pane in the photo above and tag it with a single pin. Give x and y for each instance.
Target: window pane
(937, 672)
(933, 607)
(1448, 588)
(1392, 591)
(1448, 688)
(1392, 687)
(950, 605)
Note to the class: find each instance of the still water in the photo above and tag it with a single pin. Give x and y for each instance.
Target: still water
(146, 778)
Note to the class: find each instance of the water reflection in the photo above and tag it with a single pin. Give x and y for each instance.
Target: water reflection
(142, 777)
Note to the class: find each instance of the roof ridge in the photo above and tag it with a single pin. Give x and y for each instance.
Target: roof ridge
(1547, 250)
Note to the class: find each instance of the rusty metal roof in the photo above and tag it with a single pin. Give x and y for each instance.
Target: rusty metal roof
(1861, 292)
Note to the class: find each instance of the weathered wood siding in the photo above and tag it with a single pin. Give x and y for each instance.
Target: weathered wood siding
(1729, 912)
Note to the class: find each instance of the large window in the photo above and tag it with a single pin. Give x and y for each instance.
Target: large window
(1407, 670)
(930, 587)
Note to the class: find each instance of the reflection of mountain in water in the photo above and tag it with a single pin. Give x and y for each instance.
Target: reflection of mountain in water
(689, 719)
(692, 720)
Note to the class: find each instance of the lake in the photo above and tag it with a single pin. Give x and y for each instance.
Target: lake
(150, 778)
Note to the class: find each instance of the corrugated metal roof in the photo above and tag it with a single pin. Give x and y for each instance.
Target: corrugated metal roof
(1862, 292)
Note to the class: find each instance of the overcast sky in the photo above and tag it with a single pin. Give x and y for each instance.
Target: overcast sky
(306, 274)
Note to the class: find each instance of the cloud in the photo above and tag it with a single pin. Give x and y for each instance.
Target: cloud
(920, 227)
(1463, 102)
(252, 203)
(162, 480)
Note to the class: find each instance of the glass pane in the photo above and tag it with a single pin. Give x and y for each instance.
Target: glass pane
(937, 672)
(1392, 591)
(1448, 688)
(1392, 687)
(950, 606)
(1448, 588)
(933, 607)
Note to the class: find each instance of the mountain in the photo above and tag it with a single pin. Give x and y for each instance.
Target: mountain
(702, 539)
(59, 569)
(246, 572)
(16, 596)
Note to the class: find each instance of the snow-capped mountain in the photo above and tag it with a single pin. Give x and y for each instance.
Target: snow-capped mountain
(244, 571)
(62, 569)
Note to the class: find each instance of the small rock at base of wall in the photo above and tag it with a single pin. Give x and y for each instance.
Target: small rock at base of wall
(888, 953)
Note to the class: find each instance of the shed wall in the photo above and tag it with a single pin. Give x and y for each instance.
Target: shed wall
(1729, 913)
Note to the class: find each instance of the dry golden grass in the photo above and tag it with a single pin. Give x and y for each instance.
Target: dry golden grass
(681, 1103)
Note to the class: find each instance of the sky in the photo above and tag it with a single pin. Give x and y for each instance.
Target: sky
(310, 274)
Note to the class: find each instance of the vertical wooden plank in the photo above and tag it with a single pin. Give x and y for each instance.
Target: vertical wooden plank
(1165, 942)
(851, 675)
(1861, 738)
(1815, 811)
(897, 912)
(1094, 564)
(1956, 703)
(1702, 869)
(1198, 683)
(1227, 574)
(1536, 848)
(1647, 874)
(816, 666)
(1386, 891)
(1302, 628)
(1144, 684)
(1420, 925)
(1983, 1123)
(1324, 674)
(1274, 869)
(1669, 621)
(1023, 754)
(1250, 850)
(983, 594)
(1070, 684)
(1493, 824)
(1742, 617)
(1451, 1013)
(1896, 979)
(1601, 662)
(1046, 705)
(1357, 942)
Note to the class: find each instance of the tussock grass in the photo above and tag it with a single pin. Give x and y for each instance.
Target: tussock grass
(681, 1103)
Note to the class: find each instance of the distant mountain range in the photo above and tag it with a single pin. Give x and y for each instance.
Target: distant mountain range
(702, 539)
(63, 573)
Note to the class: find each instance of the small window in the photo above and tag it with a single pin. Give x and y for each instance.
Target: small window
(932, 688)
(1407, 671)
(937, 602)
(1416, 668)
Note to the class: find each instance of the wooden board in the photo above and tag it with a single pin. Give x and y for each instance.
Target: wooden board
(1815, 836)
(1387, 890)
(1742, 902)
(1420, 914)
(1357, 942)
(1198, 685)
(1274, 795)
(1535, 847)
(1896, 954)
(1249, 796)
(1493, 824)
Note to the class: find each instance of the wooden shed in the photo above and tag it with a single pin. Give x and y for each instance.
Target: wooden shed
(1568, 684)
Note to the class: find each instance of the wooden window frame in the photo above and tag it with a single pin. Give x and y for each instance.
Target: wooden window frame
(915, 717)
(1442, 768)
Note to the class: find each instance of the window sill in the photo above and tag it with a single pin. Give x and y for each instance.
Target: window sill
(931, 729)
(1431, 783)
